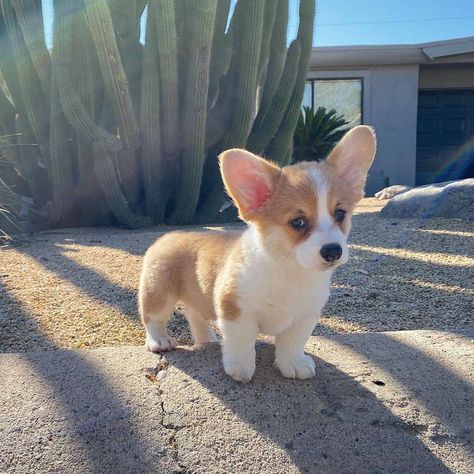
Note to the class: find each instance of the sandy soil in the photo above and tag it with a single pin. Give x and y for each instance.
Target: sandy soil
(76, 288)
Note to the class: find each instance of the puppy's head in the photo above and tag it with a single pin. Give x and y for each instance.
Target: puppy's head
(303, 211)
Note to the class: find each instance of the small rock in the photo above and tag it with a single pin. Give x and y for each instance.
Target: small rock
(161, 375)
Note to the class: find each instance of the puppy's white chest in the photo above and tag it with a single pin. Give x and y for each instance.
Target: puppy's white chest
(276, 297)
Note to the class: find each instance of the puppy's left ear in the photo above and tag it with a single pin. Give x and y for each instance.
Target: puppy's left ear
(352, 157)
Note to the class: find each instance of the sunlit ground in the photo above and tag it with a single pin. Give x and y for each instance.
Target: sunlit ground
(76, 288)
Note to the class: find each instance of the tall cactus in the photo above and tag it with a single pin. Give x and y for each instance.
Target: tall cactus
(168, 64)
(134, 130)
(245, 61)
(36, 105)
(276, 63)
(268, 125)
(153, 169)
(280, 147)
(195, 106)
(31, 25)
(74, 110)
(60, 163)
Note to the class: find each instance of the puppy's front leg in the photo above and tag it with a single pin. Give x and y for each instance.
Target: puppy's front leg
(289, 350)
(238, 347)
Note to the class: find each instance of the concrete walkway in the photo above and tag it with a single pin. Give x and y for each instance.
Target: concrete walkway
(383, 402)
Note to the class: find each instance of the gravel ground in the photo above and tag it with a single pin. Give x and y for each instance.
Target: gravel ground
(76, 288)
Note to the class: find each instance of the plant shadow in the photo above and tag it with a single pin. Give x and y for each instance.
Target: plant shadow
(61, 408)
(331, 423)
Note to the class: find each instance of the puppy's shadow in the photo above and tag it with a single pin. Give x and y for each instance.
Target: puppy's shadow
(327, 424)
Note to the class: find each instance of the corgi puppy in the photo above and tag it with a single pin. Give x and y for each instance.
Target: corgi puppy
(271, 278)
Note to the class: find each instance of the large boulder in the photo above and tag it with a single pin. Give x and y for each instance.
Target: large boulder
(450, 199)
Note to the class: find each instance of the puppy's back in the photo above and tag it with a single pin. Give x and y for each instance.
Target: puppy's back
(183, 266)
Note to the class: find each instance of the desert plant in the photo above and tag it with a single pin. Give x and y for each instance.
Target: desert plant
(117, 128)
(14, 208)
(316, 133)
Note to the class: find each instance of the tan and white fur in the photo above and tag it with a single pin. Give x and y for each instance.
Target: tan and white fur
(273, 277)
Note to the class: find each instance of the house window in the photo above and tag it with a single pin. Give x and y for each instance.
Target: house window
(344, 95)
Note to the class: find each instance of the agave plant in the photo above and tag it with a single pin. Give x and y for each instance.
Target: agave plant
(316, 133)
(14, 208)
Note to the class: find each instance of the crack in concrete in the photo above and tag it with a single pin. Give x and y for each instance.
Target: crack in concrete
(172, 448)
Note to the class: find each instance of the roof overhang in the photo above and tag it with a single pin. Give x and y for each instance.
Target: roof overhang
(384, 55)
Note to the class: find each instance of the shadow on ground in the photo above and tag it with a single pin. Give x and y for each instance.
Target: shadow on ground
(67, 411)
(332, 423)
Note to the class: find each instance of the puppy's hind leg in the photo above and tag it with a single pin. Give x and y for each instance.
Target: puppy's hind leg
(155, 310)
(200, 327)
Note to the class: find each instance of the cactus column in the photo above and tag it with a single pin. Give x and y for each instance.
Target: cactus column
(195, 107)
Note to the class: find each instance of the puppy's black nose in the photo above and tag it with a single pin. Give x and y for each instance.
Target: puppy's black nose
(331, 252)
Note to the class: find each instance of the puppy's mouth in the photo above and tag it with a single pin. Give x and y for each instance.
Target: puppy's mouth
(324, 266)
(327, 266)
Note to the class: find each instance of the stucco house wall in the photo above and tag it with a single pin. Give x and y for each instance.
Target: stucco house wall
(390, 98)
(392, 77)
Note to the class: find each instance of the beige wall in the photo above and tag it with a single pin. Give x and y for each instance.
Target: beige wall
(446, 76)
(390, 101)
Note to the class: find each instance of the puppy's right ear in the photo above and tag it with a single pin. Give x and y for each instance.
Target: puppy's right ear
(249, 180)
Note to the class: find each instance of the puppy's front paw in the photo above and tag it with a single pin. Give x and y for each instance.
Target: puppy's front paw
(161, 343)
(301, 367)
(238, 369)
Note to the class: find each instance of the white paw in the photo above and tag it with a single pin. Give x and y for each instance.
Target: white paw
(161, 343)
(239, 369)
(301, 367)
(206, 338)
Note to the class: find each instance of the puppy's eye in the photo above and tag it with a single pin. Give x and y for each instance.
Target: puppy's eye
(299, 223)
(339, 215)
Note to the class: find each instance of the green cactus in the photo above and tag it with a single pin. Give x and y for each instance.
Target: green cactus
(28, 14)
(126, 19)
(74, 110)
(107, 174)
(276, 63)
(150, 123)
(280, 146)
(60, 163)
(260, 137)
(84, 72)
(269, 17)
(245, 61)
(195, 105)
(168, 64)
(35, 103)
(102, 29)
(7, 115)
(128, 129)
(8, 67)
(221, 51)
